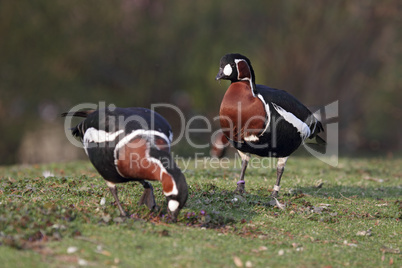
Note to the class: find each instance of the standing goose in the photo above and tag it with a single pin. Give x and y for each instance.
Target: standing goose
(132, 144)
(261, 120)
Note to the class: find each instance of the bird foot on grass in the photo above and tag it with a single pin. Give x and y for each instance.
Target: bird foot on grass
(274, 194)
(122, 212)
(240, 189)
(148, 199)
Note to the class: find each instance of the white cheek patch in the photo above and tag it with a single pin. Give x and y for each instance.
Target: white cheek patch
(173, 205)
(227, 70)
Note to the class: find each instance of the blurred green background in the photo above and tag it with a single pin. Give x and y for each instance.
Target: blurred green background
(56, 54)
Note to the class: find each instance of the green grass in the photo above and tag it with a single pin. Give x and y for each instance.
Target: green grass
(42, 218)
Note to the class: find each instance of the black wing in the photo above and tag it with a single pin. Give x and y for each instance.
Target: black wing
(129, 119)
(289, 103)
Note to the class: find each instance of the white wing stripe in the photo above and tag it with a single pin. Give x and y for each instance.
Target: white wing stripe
(301, 127)
(267, 111)
(98, 136)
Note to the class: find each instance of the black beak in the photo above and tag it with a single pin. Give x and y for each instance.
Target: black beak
(220, 75)
(174, 214)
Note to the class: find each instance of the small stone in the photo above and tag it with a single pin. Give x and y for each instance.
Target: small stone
(318, 184)
(361, 233)
(82, 262)
(106, 218)
(71, 250)
(47, 174)
(364, 233)
(237, 261)
(118, 219)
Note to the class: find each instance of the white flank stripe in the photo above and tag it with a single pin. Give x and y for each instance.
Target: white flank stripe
(173, 205)
(251, 138)
(139, 132)
(301, 127)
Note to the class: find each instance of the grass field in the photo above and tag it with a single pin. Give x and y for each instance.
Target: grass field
(52, 216)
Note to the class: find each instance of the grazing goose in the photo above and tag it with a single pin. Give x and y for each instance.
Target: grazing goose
(132, 144)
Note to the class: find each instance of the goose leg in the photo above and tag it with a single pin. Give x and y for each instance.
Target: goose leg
(113, 190)
(244, 162)
(279, 171)
(147, 197)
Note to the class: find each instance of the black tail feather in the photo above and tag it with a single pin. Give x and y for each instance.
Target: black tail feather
(314, 138)
(78, 130)
(319, 126)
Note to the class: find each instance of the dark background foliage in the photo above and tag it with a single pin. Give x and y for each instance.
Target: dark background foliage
(56, 54)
